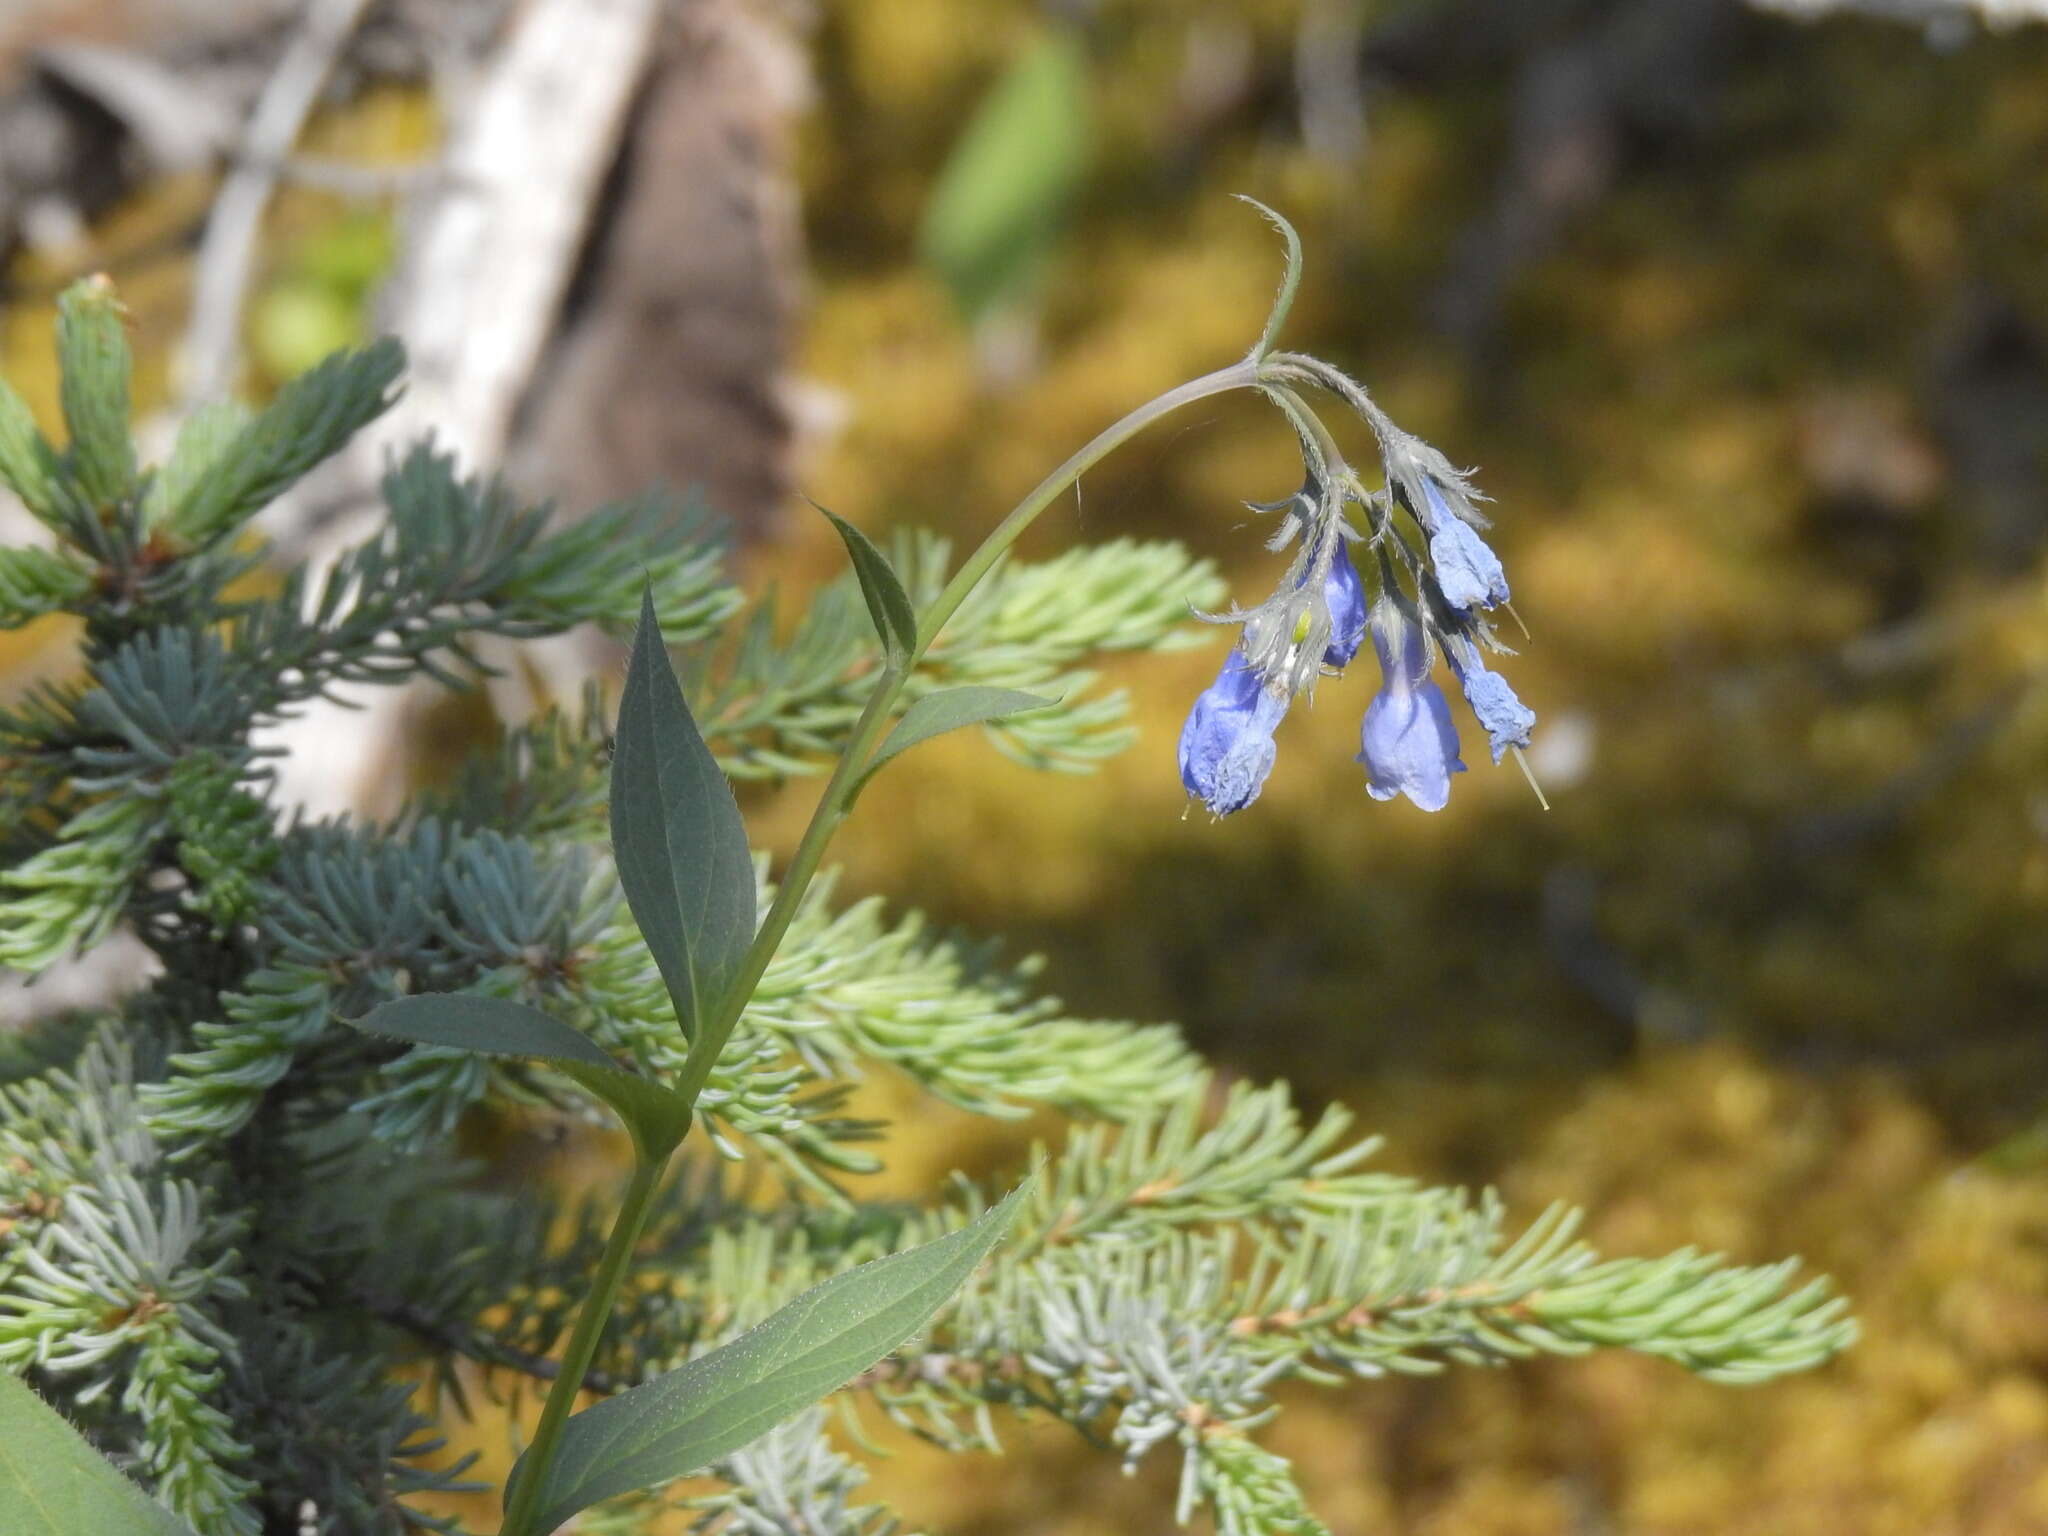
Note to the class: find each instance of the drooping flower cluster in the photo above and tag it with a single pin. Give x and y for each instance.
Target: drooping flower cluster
(1434, 580)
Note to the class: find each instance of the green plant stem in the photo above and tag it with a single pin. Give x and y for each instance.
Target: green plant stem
(833, 805)
(832, 809)
(1309, 423)
(1243, 375)
(837, 799)
(1290, 281)
(596, 1311)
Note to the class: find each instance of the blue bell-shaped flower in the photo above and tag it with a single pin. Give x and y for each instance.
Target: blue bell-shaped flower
(1226, 747)
(1467, 570)
(1408, 744)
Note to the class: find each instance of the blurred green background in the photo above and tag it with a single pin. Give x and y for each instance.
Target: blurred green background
(1744, 322)
(1747, 344)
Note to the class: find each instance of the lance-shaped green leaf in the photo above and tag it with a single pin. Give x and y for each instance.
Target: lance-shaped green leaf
(948, 710)
(888, 604)
(92, 348)
(496, 1026)
(53, 1484)
(677, 837)
(687, 1419)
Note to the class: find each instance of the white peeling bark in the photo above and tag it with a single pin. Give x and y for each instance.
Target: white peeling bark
(490, 250)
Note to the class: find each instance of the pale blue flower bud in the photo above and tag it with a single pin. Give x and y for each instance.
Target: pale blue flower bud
(1408, 744)
(1226, 747)
(1469, 573)
(1345, 594)
(1467, 570)
(1507, 720)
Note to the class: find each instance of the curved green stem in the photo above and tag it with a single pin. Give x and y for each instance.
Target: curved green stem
(634, 1210)
(1244, 375)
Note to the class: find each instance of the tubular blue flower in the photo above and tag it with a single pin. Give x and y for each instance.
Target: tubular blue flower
(1408, 744)
(1506, 719)
(1467, 570)
(1226, 747)
(1345, 594)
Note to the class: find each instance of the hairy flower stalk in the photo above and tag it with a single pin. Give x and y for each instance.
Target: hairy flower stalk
(1315, 620)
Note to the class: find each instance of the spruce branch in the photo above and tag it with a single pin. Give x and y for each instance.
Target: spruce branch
(593, 570)
(35, 583)
(458, 559)
(161, 695)
(471, 1343)
(118, 1280)
(335, 1432)
(227, 466)
(543, 779)
(855, 987)
(34, 471)
(205, 439)
(785, 708)
(355, 918)
(791, 1482)
(69, 895)
(1145, 1316)
(1250, 1491)
(778, 708)
(94, 365)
